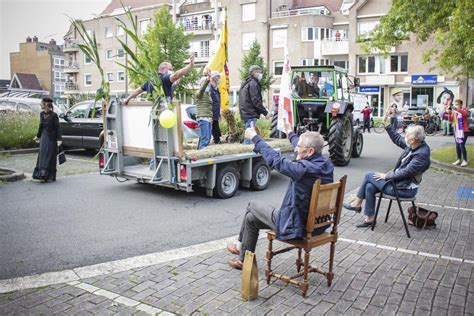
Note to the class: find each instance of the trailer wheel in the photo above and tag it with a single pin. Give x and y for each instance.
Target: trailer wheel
(357, 145)
(227, 182)
(340, 139)
(261, 176)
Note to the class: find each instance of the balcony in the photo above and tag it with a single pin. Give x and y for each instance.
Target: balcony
(71, 67)
(197, 26)
(333, 46)
(71, 87)
(306, 11)
(70, 46)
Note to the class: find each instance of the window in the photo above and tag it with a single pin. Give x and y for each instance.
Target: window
(110, 76)
(79, 110)
(108, 32)
(204, 48)
(398, 63)
(248, 12)
(58, 62)
(311, 83)
(364, 28)
(371, 64)
(309, 34)
(247, 40)
(87, 60)
(108, 54)
(278, 68)
(96, 110)
(120, 76)
(120, 53)
(342, 63)
(87, 80)
(120, 31)
(144, 26)
(279, 38)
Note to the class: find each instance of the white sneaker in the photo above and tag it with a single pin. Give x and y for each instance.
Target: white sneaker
(457, 162)
(464, 163)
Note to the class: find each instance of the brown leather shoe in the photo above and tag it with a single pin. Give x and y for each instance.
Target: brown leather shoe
(233, 249)
(236, 264)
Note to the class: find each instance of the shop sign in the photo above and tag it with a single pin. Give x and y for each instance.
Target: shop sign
(424, 79)
(369, 89)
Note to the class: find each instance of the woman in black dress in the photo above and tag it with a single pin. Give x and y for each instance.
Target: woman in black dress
(49, 137)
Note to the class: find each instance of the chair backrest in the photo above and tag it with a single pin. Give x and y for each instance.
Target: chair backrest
(325, 205)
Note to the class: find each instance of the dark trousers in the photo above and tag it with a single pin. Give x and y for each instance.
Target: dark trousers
(258, 216)
(393, 122)
(366, 125)
(461, 148)
(216, 131)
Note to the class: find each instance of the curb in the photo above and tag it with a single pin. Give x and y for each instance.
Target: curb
(14, 176)
(444, 165)
(19, 151)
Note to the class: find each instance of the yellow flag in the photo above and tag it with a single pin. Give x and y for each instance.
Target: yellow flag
(219, 62)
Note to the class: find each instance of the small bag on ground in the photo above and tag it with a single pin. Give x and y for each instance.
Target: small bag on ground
(422, 218)
(249, 277)
(61, 155)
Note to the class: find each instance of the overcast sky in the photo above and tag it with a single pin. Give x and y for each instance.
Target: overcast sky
(46, 19)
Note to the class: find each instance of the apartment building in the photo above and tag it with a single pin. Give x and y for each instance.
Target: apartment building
(82, 75)
(45, 60)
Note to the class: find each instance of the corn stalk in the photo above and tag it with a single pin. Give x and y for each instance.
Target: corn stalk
(135, 66)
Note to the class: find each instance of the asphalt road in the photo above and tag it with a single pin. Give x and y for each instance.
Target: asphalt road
(87, 219)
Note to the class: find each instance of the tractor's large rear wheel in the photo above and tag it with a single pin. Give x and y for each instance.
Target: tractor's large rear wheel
(340, 139)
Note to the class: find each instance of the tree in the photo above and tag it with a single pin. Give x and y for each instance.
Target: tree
(449, 23)
(253, 58)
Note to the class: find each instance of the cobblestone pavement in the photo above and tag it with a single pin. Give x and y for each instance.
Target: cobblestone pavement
(380, 272)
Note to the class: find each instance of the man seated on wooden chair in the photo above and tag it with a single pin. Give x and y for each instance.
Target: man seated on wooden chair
(289, 222)
(406, 175)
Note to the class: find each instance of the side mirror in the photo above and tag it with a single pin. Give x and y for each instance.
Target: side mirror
(356, 82)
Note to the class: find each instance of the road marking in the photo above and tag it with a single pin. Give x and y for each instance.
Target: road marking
(448, 207)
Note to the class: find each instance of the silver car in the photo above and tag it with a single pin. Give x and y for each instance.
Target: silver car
(190, 124)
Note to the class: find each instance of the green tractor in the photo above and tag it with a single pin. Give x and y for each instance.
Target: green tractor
(321, 100)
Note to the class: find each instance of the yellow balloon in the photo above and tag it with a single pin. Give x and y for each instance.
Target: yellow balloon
(167, 119)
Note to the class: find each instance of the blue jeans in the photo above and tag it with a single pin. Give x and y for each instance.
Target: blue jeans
(370, 187)
(247, 125)
(205, 129)
(461, 148)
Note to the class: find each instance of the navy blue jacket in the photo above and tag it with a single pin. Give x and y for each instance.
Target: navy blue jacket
(216, 102)
(293, 215)
(410, 170)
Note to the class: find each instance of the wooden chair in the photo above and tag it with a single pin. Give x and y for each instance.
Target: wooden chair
(392, 198)
(325, 209)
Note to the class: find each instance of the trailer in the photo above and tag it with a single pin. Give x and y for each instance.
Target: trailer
(137, 148)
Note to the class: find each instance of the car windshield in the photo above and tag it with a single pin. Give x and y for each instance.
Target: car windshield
(312, 84)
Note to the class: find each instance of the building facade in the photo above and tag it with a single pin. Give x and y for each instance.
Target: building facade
(45, 60)
(316, 32)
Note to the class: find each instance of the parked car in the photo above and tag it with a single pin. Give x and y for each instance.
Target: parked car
(414, 115)
(24, 105)
(470, 120)
(81, 125)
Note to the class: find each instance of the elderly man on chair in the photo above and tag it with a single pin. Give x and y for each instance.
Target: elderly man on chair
(289, 221)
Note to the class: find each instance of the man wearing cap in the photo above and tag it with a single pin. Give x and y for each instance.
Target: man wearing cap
(168, 78)
(216, 105)
(250, 98)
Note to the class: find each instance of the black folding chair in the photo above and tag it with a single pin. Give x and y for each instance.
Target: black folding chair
(392, 198)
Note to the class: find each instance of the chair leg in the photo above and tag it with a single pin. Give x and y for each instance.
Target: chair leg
(304, 284)
(388, 210)
(403, 218)
(377, 211)
(299, 262)
(330, 274)
(268, 272)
